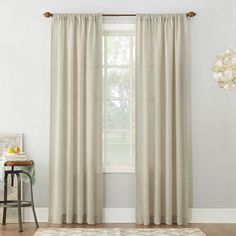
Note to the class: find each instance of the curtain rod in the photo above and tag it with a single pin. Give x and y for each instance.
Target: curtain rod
(189, 14)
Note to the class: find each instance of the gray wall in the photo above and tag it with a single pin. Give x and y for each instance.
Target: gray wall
(25, 92)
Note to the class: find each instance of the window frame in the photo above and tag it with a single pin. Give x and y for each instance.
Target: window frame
(121, 30)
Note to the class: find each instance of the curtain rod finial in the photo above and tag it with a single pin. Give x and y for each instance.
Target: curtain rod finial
(191, 14)
(48, 14)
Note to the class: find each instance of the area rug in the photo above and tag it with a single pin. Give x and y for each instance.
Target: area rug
(118, 232)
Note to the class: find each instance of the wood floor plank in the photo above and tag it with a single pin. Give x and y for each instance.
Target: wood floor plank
(208, 229)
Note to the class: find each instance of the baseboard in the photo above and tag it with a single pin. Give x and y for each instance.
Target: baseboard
(119, 215)
(127, 215)
(212, 215)
(41, 212)
(111, 215)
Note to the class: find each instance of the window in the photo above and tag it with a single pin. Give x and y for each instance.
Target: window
(118, 99)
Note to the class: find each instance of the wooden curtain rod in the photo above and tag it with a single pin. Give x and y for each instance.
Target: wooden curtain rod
(189, 14)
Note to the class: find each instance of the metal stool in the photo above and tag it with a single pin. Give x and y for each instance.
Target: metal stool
(17, 203)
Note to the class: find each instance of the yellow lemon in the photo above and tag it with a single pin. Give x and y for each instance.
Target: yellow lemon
(10, 150)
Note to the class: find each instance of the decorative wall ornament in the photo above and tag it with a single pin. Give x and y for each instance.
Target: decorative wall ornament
(224, 69)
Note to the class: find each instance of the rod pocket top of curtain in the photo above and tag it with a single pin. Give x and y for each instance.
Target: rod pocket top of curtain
(49, 14)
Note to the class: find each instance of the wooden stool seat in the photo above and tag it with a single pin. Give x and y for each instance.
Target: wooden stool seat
(18, 163)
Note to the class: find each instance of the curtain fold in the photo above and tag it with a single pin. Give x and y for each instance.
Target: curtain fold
(75, 135)
(161, 145)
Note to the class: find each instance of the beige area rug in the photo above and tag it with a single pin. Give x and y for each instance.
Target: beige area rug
(118, 232)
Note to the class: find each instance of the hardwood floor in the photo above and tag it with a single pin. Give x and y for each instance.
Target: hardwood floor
(208, 229)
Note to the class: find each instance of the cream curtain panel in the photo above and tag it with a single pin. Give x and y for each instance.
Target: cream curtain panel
(161, 150)
(75, 148)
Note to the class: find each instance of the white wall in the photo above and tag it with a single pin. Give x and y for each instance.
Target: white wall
(25, 91)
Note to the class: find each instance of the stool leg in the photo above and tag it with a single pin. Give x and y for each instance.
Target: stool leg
(5, 200)
(32, 199)
(19, 202)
